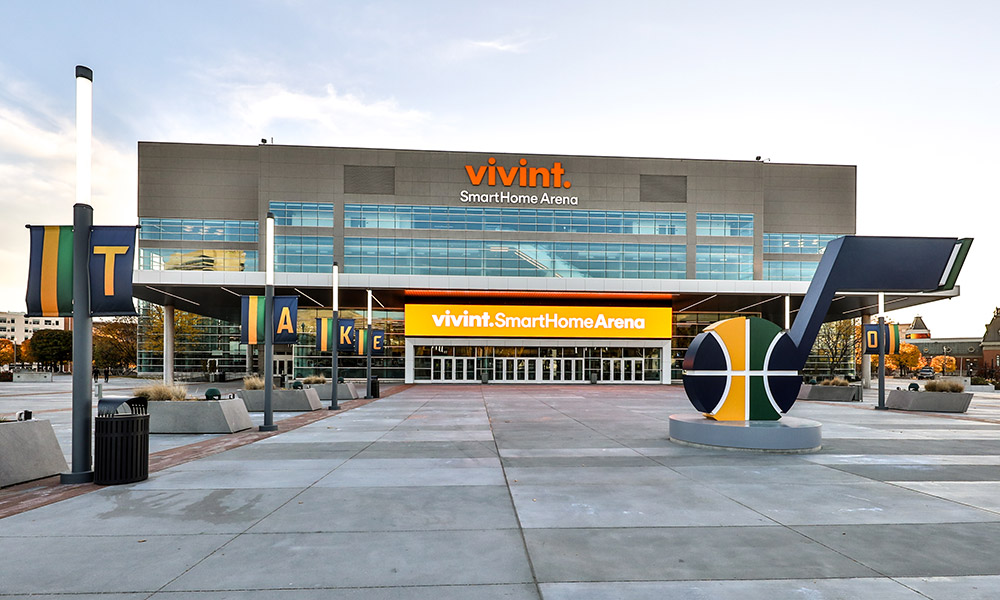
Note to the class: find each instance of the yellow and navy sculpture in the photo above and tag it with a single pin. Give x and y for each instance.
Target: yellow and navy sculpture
(747, 368)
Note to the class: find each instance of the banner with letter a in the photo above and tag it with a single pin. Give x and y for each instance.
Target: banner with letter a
(112, 250)
(50, 271)
(286, 313)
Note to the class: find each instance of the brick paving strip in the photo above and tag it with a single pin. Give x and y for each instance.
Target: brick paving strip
(34, 494)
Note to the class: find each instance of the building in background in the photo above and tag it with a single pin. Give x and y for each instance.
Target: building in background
(504, 267)
(16, 326)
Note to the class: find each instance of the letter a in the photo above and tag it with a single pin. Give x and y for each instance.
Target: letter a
(285, 321)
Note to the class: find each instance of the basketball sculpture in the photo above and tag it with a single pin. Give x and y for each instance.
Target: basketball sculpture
(747, 368)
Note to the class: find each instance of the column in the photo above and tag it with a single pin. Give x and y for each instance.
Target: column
(168, 344)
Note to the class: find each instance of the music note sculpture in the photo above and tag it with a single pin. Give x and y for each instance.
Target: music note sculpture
(742, 373)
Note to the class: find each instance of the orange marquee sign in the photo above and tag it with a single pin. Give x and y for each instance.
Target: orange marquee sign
(502, 320)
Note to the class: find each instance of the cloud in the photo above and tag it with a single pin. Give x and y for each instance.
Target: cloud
(467, 49)
(38, 168)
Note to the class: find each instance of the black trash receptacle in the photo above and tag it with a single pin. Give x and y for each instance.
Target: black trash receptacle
(121, 441)
(375, 386)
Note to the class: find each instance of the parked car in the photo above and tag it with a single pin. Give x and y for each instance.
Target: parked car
(925, 373)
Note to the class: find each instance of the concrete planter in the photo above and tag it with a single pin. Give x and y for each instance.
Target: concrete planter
(228, 415)
(830, 393)
(929, 401)
(282, 400)
(32, 376)
(345, 391)
(28, 451)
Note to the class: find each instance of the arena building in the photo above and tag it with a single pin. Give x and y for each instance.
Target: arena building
(484, 266)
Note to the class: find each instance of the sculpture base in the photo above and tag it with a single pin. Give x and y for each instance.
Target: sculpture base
(788, 434)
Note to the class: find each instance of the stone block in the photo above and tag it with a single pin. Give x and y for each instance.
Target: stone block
(227, 415)
(282, 400)
(29, 450)
(830, 393)
(928, 401)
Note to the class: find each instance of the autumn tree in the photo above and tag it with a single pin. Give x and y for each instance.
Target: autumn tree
(6, 351)
(836, 342)
(115, 343)
(943, 364)
(186, 329)
(52, 346)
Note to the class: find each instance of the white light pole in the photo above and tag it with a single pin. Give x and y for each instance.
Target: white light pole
(268, 324)
(368, 348)
(336, 342)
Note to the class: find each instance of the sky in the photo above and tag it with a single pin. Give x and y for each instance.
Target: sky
(907, 91)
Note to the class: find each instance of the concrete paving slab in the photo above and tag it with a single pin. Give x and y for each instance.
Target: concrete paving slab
(804, 474)
(916, 550)
(228, 479)
(387, 559)
(126, 511)
(679, 553)
(100, 564)
(426, 508)
(361, 478)
(650, 474)
(948, 588)
(924, 472)
(449, 592)
(788, 589)
(981, 494)
(855, 503)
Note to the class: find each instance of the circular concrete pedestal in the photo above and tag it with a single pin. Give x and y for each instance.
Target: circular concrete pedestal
(788, 434)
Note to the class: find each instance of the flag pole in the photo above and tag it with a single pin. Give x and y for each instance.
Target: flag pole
(336, 335)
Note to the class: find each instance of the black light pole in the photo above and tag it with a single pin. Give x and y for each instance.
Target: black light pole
(269, 325)
(881, 364)
(336, 342)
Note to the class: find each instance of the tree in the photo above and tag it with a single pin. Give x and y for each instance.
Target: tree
(942, 364)
(115, 343)
(909, 357)
(6, 352)
(186, 329)
(52, 346)
(25, 354)
(836, 341)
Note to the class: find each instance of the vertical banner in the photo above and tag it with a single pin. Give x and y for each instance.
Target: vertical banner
(286, 312)
(50, 272)
(378, 342)
(112, 250)
(324, 334)
(347, 337)
(871, 339)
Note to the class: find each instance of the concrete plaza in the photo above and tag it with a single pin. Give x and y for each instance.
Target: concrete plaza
(555, 492)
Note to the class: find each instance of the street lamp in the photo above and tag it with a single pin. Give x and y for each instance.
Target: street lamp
(368, 348)
(336, 342)
(268, 324)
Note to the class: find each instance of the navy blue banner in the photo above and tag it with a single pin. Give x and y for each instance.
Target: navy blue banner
(378, 342)
(286, 315)
(347, 336)
(112, 251)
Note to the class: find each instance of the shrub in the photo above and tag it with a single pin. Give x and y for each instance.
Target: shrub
(980, 381)
(253, 383)
(161, 392)
(835, 381)
(944, 385)
(6, 376)
(312, 379)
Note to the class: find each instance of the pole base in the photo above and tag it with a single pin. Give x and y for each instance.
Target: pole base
(334, 405)
(881, 408)
(267, 428)
(76, 477)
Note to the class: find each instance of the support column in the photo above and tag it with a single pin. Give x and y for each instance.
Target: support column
(249, 359)
(866, 359)
(168, 344)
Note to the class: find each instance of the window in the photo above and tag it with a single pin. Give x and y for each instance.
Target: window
(789, 270)
(476, 218)
(302, 214)
(201, 230)
(723, 262)
(212, 259)
(513, 258)
(796, 243)
(726, 225)
(303, 254)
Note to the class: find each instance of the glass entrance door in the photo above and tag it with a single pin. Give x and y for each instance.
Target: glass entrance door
(621, 369)
(451, 368)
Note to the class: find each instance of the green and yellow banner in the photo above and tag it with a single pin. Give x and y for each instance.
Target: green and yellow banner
(252, 319)
(50, 271)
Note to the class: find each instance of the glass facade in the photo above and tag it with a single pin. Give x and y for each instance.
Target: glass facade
(198, 230)
(302, 214)
(200, 343)
(210, 259)
(789, 270)
(308, 361)
(303, 254)
(405, 256)
(474, 218)
(723, 262)
(724, 224)
(796, 243)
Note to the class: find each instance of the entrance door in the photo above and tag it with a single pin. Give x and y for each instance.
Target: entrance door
(450, 368)
(621, 369)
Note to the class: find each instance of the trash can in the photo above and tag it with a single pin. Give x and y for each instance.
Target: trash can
(375, 386)
(121, 441)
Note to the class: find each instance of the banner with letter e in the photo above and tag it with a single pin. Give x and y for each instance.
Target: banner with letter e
(286, 314)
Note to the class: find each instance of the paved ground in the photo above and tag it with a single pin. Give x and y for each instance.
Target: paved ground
(554, 492)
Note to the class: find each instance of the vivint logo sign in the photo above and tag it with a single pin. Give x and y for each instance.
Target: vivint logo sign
(522, 176)
(538, 321)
